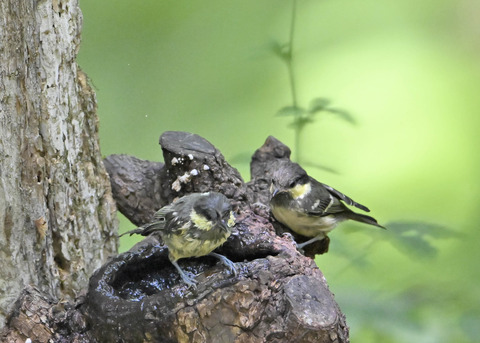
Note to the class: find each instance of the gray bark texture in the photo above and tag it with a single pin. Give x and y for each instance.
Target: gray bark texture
(57, 214)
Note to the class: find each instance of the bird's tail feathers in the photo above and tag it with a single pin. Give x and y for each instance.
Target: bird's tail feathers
(362, 218)
(138, 230)
(348, 200)
(144, 230)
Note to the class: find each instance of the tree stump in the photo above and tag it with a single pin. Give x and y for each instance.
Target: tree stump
(279, 295)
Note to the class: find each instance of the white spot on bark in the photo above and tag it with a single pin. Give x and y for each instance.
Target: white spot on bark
(176, 186)
(184, 178)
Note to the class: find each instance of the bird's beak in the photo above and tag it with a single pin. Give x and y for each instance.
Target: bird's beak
(273, 190)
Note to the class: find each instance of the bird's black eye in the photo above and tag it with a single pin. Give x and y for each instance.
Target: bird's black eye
(293, 184)
(208, 215)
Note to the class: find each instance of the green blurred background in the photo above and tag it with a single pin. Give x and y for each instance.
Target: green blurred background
(407, 71)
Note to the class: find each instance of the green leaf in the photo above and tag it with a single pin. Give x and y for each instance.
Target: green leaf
(282, 51)
(415, 238)
(323, 105)
(344, 250)
(342, 114)
(299, 122)
(293, 111)
(318, 105)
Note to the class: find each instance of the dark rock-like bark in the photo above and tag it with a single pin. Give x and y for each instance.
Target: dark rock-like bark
(135, 186)
(278, 296)
(262, 167)
(192, 164)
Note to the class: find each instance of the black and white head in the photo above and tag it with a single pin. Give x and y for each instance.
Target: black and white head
(216, 209)
(288, 177)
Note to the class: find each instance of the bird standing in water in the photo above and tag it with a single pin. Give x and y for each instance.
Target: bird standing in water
(308, 207)
(193, 226)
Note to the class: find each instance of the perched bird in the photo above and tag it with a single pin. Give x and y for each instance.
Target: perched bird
(308, 207)
(193, 226)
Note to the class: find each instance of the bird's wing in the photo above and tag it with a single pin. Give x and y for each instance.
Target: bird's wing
(157, 224)
(177, 215)
(160, 220)
(324, 204)
(339, 195)
(164, 211)
(319, 202)
(145, 230)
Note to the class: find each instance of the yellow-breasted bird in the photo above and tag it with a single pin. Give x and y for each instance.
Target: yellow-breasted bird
(308, 207)
(193, 226)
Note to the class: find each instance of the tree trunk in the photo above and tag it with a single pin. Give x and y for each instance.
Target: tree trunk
(57, 215)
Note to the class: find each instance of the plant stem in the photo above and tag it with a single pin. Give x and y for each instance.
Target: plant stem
(297, 128)
(290, 52)
(297, 134)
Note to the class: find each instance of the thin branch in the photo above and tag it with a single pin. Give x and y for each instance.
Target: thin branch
(298, 128)
(290, 53)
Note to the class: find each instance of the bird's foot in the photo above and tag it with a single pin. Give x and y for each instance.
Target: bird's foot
(226, 262)
(310, 241)
(191, 283)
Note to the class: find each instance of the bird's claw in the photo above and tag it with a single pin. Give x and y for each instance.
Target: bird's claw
(226, 262)
(288, 236)
(230, 265)
(191, 283)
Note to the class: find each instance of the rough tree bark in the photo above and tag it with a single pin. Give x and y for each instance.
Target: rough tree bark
(278, 296)
(57, 216)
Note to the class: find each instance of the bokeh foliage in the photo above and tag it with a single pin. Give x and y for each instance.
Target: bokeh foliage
(407, 72)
